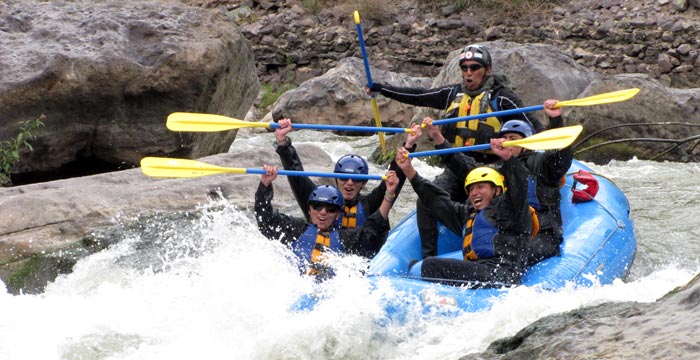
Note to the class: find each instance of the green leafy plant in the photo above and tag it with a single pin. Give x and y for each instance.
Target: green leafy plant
(9, 149)
(271, 93)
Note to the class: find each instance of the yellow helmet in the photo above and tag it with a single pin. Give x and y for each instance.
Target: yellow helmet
(481, 174)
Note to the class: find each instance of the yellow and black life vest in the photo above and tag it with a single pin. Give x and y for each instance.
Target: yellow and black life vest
(353, 216)
(349, 219)
(312, 247)
(467, 250)
(466, 106)
(483, 246)
(318, 256)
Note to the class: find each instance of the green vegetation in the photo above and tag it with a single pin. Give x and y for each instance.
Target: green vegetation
(9, 149)
(596, 153)
(270, 94)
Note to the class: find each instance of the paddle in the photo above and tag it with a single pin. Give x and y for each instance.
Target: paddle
(605, 98)
(375, 108)
(183, 121)
(184, 168)
(551, 139)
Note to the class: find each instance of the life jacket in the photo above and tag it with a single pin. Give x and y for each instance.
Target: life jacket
(310, 247)
(353, 216)
(532, 192)
(479, 244)
(478, 131)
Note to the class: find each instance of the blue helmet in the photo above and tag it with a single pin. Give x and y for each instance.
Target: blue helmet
(351, 164)
(327, 194)
(516, 126)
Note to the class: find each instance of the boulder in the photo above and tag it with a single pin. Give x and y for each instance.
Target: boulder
(338, 97)
(626, 330)
(658, 123)
(106, 76)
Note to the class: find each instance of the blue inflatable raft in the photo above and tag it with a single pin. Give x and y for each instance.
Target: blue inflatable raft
(599, 245)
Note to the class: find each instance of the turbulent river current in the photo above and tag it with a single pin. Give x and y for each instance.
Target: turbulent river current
(211, 287)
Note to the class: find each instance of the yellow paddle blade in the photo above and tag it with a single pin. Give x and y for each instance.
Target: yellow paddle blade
(551, 139)
(183, 121)
(606, 98)
(182, 168)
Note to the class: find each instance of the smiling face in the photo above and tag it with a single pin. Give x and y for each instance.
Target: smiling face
(474, 74)
(481, 194)
(323, 215)
(349, 188)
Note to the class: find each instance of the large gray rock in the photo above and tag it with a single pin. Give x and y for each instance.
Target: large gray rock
(661, 330)
(106, 75)
(338, 97)
(657, 119)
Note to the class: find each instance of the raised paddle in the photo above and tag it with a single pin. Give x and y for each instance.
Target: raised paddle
(184, 168)
(375, 108)
(547, 140)
(183, 121)
(600, 99)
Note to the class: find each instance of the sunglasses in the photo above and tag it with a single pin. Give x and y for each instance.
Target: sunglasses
(330, 208)
(472, 67)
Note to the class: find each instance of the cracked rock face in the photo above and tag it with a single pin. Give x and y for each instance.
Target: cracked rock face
(106, 76)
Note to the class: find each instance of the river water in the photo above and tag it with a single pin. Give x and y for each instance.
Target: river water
(212, 287)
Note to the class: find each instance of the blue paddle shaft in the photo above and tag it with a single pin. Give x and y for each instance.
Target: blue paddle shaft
(360, 177)
(364, 54)
(343, 128)
(488, 115)
(451, 150)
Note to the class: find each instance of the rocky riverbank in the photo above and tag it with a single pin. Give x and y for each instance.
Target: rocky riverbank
(293, 43)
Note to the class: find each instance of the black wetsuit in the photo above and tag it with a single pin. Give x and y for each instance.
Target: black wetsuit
(508, 212)
(363, 240)
(302, 186)
(442, 98)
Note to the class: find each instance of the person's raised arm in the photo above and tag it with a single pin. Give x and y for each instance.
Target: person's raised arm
(302, 186)
(269, 176)
(498, 149)
(285, 127)
(555, 119)
(413, 136)
(404, 163)
(433, 131)
(392, 182)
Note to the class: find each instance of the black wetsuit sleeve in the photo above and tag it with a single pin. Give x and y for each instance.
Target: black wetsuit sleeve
(301, 186)
(554, 163)
(436, 98)
(367, 239)
(451, 214)
(271, 223)
(512, 211)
